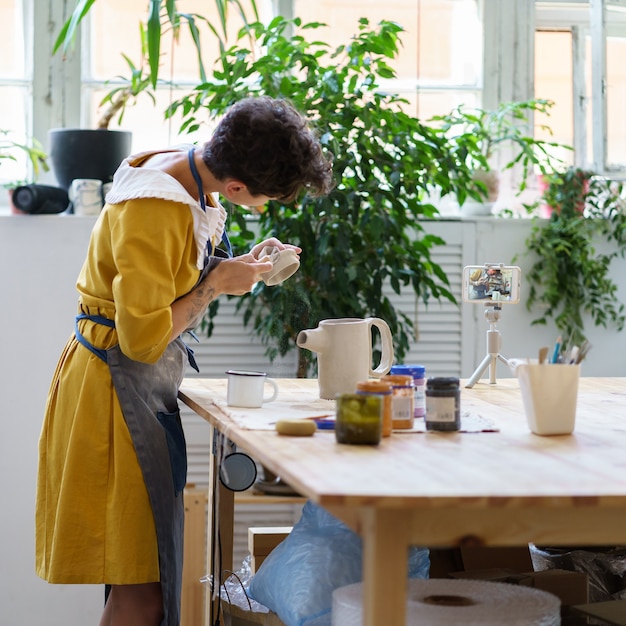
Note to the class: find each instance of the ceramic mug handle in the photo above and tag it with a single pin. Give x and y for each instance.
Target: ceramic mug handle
(386, 356)
(274, 393)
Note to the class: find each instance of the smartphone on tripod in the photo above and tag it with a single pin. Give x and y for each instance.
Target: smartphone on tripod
(491, 283)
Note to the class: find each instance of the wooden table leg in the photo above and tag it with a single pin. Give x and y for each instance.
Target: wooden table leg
(193, 594)
(220, 521)
(385, 534)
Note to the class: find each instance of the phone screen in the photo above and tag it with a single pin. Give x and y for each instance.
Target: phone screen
(491, 283)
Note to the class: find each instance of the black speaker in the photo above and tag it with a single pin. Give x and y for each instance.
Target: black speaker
(40, 199)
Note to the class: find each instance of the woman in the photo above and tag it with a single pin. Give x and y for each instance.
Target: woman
(112, 460)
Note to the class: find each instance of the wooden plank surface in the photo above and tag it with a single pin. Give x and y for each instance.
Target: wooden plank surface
(502, 488)
(511, 468)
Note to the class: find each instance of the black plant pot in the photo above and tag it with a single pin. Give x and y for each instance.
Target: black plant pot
(78, 153)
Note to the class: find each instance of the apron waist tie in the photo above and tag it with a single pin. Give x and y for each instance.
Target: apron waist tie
(102, 354)
(98, 319)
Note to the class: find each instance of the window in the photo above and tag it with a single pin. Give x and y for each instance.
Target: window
(579, 65)
(114, 31)
(440, 65)
(553, 81)
(431, 74)
(615, 98)
(15, 87)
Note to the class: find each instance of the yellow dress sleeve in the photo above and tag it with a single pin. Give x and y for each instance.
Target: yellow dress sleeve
(142, 258)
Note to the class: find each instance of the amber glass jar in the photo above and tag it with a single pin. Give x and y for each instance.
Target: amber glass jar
(380, 388)
(402, 400)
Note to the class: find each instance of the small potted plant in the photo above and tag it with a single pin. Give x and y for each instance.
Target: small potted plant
(478, 135)
(97, 152)
(30, 150)
(574, 248)
(566, 190)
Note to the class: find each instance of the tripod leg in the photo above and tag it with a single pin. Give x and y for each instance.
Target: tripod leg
(479, 371)
(504, 360)
(492, 370)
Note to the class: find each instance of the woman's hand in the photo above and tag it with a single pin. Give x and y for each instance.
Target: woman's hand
(237, 276)
(233, 277)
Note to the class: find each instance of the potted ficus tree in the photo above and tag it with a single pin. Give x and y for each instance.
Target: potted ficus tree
(570, 276)
(367, 236)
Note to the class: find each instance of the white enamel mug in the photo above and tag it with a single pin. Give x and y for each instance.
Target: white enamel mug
(246, 389)
(86, 196)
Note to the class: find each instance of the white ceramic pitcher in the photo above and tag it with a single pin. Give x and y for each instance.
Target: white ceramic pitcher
(344, 352)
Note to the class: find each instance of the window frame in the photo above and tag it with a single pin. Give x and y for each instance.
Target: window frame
(597, 19)
(56, 83)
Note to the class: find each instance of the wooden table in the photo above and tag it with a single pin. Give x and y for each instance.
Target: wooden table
(505, 488)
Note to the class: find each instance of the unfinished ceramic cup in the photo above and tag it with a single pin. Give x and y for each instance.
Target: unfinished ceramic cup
(285, 264)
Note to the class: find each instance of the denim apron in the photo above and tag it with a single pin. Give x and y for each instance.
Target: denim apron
(148, 396)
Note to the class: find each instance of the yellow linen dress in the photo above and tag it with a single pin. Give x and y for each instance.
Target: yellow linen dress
(94, 522)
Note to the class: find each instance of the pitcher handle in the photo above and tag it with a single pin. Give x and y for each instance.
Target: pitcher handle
(386, 356)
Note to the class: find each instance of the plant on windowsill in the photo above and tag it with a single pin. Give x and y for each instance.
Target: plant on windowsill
(366, 238)
(37, 159)
(575, 248)
(479, 135)
(34, 154)
(96, 153)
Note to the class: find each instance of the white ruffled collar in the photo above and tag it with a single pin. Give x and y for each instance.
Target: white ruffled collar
(132, 183)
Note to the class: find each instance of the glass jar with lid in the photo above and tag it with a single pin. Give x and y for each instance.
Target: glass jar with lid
(419, 385)
(402, 400)
(380, 387)
(443, 404)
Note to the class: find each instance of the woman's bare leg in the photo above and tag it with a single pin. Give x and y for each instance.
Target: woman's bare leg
(134, 605)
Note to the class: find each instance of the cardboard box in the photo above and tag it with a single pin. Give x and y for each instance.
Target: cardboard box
(516, 559)
(444, 561)
(612, 612)
(569, 587)
(513, 565)
(496, 574)
(238, 616)
(262, 540)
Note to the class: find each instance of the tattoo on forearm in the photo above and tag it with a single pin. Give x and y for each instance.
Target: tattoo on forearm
(200, 298)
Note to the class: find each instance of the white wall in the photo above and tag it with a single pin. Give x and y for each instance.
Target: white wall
(39, 260)
(40, 257)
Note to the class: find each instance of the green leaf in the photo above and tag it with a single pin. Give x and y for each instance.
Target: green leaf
(154, 39)
(67, 35)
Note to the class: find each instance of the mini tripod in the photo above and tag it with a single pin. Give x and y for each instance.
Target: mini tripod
(494, 341)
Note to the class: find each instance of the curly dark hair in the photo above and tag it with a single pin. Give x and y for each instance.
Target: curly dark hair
(267, 145)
